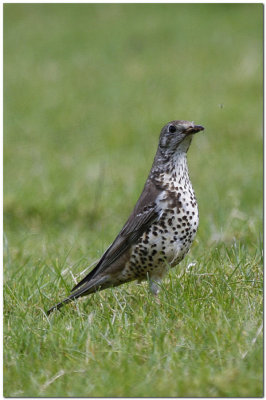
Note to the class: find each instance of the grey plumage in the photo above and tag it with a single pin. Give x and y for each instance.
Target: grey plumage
(162, 226)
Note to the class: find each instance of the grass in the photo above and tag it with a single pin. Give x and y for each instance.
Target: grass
(87, 90)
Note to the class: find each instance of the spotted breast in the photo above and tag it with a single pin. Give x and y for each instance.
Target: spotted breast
(166, 242)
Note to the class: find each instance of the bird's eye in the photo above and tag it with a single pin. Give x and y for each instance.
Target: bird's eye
(172, 128)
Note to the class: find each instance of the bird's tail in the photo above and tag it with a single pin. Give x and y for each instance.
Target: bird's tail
(59, 305)
(88, 288)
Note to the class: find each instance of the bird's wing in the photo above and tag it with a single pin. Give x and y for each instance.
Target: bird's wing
(143, 215)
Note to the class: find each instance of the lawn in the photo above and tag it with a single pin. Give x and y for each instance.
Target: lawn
(87, 89)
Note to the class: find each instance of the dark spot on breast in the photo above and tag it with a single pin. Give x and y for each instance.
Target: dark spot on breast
(144, 251)
(174, 199)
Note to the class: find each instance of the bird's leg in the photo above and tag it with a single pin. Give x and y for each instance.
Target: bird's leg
(156, 279)
(154, 284)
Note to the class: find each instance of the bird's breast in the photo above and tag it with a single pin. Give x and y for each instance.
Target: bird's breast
(179, 222)
(169, 238)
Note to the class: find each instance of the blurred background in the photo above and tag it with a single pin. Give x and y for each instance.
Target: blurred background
(87, 89)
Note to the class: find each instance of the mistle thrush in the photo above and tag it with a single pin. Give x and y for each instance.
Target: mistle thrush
(160, 230)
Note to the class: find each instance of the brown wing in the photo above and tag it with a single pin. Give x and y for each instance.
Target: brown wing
(143, 215)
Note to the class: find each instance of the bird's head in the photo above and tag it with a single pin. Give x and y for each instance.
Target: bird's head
(176, 136)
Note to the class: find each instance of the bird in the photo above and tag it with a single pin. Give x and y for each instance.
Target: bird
(162, 226)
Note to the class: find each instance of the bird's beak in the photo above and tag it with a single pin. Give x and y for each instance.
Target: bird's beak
(194, 129)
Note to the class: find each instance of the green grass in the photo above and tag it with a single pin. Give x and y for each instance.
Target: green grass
(87, 89)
